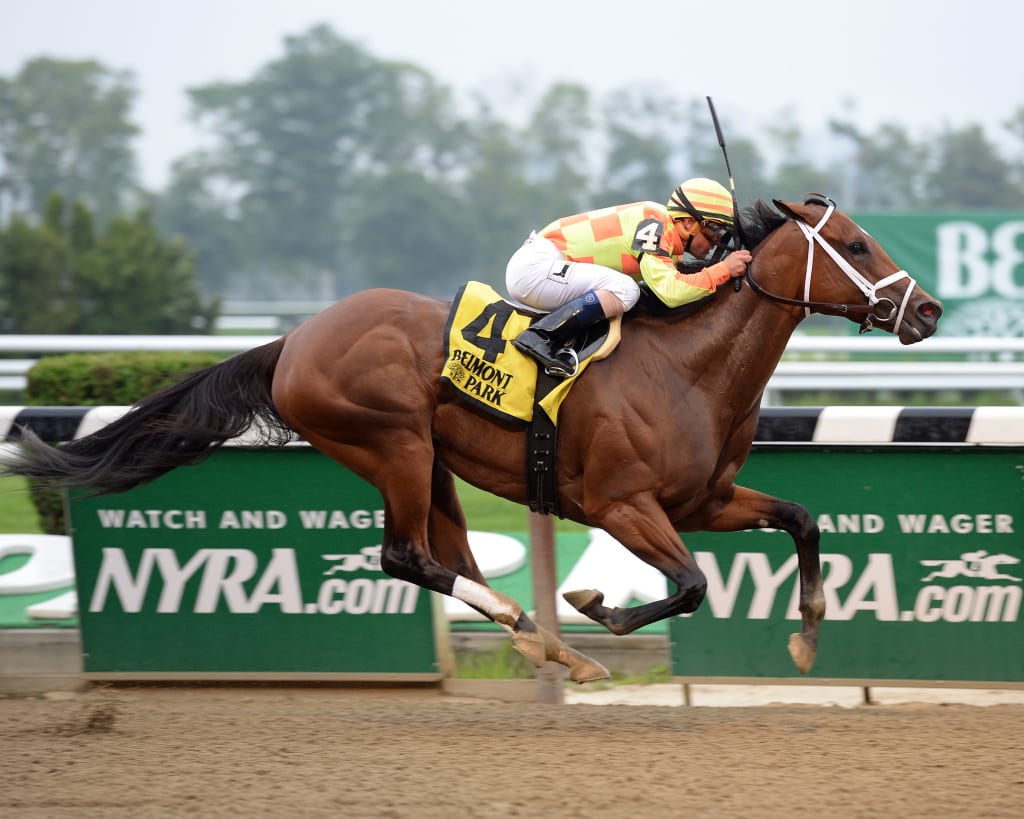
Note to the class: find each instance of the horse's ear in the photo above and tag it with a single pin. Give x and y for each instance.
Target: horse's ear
(790, 210)
(801, 212)
(819, 199)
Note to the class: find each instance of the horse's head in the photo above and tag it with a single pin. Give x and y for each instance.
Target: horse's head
(849, 274)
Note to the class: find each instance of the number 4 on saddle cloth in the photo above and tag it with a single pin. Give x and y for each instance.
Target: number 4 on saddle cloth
(486, 370)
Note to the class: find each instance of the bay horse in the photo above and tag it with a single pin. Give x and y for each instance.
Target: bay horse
(650, 443)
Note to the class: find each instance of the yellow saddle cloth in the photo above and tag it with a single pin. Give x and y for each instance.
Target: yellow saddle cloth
(486, 369)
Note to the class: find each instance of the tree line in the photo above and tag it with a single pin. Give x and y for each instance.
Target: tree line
(330, 170)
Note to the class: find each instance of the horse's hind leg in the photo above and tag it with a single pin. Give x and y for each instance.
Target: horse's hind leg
(449, 545)
(446, 526)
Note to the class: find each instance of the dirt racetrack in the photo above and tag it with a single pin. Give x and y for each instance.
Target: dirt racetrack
(310, 752)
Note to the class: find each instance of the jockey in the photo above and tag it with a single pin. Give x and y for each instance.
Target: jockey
(574, 267)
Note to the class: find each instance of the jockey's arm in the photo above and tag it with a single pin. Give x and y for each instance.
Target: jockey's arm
(674, 288)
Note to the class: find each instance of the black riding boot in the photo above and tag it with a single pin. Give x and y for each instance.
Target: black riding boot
(546, 339)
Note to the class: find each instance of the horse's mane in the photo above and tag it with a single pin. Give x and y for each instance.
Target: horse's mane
(759, 219)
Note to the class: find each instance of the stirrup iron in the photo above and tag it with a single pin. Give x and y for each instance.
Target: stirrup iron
(559, 372)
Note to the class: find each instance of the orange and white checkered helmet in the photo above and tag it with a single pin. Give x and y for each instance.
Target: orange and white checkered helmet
(702, 199)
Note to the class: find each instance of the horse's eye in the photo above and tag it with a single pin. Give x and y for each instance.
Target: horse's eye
(858, 247)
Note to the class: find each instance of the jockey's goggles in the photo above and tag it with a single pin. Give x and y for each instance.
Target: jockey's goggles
(715, 231)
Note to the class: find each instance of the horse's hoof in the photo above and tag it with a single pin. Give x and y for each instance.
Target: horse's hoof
(588, 671)
(801, 652)
(583, 599)
(531, 646)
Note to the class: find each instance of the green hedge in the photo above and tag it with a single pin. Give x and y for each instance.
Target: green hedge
(108, 379)
(100, 379)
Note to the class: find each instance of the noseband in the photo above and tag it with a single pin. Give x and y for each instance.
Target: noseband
(873, 317)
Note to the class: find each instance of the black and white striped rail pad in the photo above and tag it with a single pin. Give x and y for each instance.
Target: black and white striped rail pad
(777, 425)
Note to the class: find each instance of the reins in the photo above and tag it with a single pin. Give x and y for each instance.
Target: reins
(870, 289)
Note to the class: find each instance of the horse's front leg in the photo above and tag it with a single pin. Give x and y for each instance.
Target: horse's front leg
(642, 526)
(749, 509)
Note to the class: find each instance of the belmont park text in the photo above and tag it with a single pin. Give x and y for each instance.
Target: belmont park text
(908, 523)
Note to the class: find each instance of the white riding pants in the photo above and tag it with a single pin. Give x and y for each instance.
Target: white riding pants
(539, 276)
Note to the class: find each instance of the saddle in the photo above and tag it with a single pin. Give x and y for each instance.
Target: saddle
(487, 371)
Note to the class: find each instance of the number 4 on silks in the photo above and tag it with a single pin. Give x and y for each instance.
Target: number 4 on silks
(493, 344)
(648, 236)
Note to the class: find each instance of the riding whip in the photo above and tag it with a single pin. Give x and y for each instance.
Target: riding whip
(737, 283)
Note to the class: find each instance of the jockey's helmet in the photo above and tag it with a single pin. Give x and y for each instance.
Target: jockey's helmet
(702, 199)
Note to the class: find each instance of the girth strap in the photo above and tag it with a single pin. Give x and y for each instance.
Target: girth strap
(541, 447)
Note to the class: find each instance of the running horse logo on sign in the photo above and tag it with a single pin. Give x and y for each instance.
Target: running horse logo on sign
(979, 564)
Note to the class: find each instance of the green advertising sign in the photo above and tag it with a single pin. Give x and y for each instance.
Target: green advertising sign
(923, 562)
(262, 561)
(268, 562)
(972, 261)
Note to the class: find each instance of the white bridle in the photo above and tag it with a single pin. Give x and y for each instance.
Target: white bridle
(869, 289)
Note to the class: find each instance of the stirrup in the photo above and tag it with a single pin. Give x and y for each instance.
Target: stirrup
(561, 372)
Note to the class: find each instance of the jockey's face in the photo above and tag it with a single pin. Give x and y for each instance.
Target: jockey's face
(700, 241)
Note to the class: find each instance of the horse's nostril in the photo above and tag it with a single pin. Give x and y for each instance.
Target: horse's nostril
(930, 311)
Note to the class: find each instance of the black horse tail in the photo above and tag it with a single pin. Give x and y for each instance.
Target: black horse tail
(182, 424)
